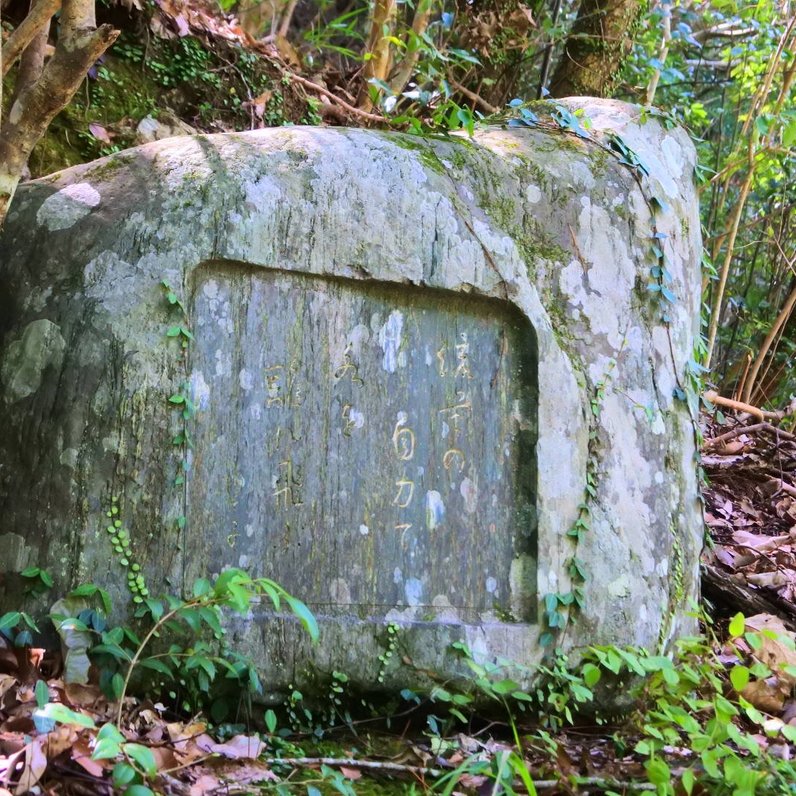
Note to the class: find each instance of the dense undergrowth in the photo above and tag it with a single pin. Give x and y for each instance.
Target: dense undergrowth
(696, 720)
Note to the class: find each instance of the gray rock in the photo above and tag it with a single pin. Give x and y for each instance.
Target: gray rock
(167, 125)
(400, 346)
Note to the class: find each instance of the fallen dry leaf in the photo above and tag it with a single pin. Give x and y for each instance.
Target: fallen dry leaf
(776, 652)
(35, 766)
(241, 747)
(350, 773)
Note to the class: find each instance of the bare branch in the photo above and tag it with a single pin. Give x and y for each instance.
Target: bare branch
(473, 97)
(38, 16)
(35, 107)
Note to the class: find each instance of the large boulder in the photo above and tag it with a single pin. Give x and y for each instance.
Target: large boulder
(437, 383)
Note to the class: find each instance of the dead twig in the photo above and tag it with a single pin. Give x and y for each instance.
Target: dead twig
(370, 117)
(473, 97)
(336, 762)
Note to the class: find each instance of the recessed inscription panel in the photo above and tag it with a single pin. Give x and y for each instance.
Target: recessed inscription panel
(371, 448)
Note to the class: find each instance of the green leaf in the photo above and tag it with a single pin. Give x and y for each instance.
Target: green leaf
(60, 713)
(591, 674)
(687, 781)
(114, 650)
(304, 615)
(789, 134)
(658, 772)
(139, 790)
(106, 749)
(117, 686)
(270, 721)
(503, 687)
(156, 665)
(739, 677)
(155, 608)
(143, 756)
(42, 693)
(737, 624)
(10, 620)
(520, 768)
(123, 774)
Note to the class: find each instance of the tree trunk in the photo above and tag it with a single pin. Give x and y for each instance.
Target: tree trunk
(596, 47)
(80, 44)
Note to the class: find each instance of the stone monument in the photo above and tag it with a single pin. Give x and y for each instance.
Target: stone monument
(434, 383)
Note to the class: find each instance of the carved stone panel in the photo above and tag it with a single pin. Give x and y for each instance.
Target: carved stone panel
(372, 446)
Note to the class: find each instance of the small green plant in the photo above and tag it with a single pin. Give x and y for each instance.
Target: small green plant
(18, 628)
(38, 581)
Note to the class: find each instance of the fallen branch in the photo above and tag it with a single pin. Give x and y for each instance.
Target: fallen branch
(473, 97)
(738, 406)
(740, 430)
(721, 587)
(377, 765)
(336, 762)
(371, 117)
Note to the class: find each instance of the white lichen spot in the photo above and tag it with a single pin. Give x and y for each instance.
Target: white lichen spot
(413, 589)
(659, 478)
(619, 587)
(263, 195)
(358, 336)
(445, 611)
(469, 491)
(200, 390)
(533, 194)
(491, 585)
(246, 380)
(68, 458)
(397, 575)
(210, 289)
(243, 561)
(364, 530)
(40, 346)
(249, 530)
(356, 418)
(390, 340)
(256, 411)
(66, 207)
(222, 363)
(435, 509)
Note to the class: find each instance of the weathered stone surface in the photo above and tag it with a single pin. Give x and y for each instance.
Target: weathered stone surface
(397, 346)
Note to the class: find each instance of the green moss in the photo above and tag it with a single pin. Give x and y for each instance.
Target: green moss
(427, 154)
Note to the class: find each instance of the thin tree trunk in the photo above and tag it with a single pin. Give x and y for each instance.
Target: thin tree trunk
(80, 44)
(378, 64)
(419, 24)
(31, 64)
(39, 15)
(596, 48)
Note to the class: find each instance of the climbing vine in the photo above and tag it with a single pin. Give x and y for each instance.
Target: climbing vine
(559, 607)
(120, 539)
(181, 399)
